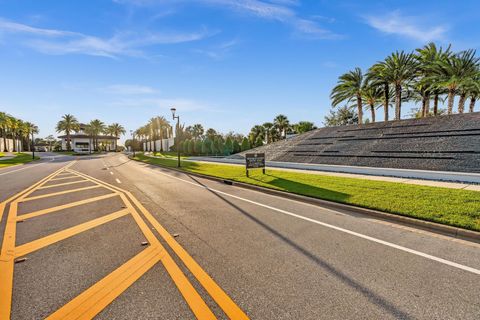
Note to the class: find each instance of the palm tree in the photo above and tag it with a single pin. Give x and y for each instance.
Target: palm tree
(116, 130)
(427, 57)
(5, 121)
(257, 132)
(269, 128)
(399, 69)
(474, 92)
(304, 126)
(282, 124)
(377, 76)
(372, 95)
(15, 125)
(454, 74)
(97, 127)
(197, 130)
(68, 124)
(349, 89)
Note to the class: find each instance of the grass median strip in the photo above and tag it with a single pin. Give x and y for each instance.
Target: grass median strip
(460, 208)
(20, 158)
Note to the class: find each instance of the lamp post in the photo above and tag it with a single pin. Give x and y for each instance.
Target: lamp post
(133, 142)
(177, 142)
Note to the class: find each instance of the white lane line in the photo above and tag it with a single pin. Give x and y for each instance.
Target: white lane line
(353, 233)
(26, 167)
(118, 181)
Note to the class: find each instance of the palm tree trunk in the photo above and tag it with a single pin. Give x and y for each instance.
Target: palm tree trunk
(69, 147)
(435, 105)
(5, 141)
(424, 106)
(461, 103)
(451, 98)
(398, 101)
(372, 110)
(427, 106)
(472, 104)
(387, 100)
(360, 109)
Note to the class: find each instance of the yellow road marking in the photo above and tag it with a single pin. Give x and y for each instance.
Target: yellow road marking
(97, 297)
(64, 206)
(215, 291)
(190, 294)
(64, 178)
(61, 184)
(67, 233)
(58, 193)
(8, 245)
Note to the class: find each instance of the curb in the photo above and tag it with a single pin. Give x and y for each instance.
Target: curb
(446, 230)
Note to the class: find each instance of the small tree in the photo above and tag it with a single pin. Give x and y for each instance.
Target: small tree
(198, 147)
(191, 147)
(236, 146)
(259, 142)
(185, 146)
(245, 144)
(228, 150)
(206, 146)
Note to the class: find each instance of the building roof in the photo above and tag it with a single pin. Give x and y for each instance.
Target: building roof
(86, 136)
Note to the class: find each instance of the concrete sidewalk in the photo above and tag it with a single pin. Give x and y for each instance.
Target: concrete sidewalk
(465, 181)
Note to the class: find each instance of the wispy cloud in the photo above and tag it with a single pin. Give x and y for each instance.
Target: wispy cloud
(59, 42)
(129, 89)
(412, 27)
(283, 11)
(185, 104)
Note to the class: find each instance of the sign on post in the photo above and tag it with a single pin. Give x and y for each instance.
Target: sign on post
(255, 161)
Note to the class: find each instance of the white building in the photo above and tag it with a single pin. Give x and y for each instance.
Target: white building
(81, 142)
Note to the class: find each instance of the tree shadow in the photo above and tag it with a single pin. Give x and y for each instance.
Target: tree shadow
(374, 298)
(304, 189)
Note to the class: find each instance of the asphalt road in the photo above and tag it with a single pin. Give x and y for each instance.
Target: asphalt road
(274, 258)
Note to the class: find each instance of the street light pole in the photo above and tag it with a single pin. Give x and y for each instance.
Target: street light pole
(177, 142)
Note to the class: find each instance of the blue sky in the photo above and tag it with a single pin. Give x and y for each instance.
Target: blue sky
(225, 64)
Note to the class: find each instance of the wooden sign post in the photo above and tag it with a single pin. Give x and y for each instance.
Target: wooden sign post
(255, 161)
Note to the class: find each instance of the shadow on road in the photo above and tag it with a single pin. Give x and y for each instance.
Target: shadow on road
(370, 295)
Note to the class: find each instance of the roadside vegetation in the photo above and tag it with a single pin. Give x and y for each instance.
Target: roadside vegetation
(429, 75)
(20, 158)
(453, 207)
(16, 130)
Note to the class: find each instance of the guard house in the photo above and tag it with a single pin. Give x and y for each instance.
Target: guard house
(82, 142)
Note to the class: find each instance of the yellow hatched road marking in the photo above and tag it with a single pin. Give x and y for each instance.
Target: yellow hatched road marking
(97, 297)
(65, 178)
(64, 206)
(62, 184)
(8, 245)
(215, 291)
(59, 193)
(190, 294)
(67, 233)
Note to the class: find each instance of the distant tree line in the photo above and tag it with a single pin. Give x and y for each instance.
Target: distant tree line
(430, 74)
(17, 130)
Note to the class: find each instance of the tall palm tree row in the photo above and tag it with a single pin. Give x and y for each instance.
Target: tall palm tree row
(269, 132)
(429, 73)
(18, 131)
(157, 128)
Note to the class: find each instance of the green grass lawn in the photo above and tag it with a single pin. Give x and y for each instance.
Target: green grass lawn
(454, 207)
(169, 155)
(20, 158)
(2, 154)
